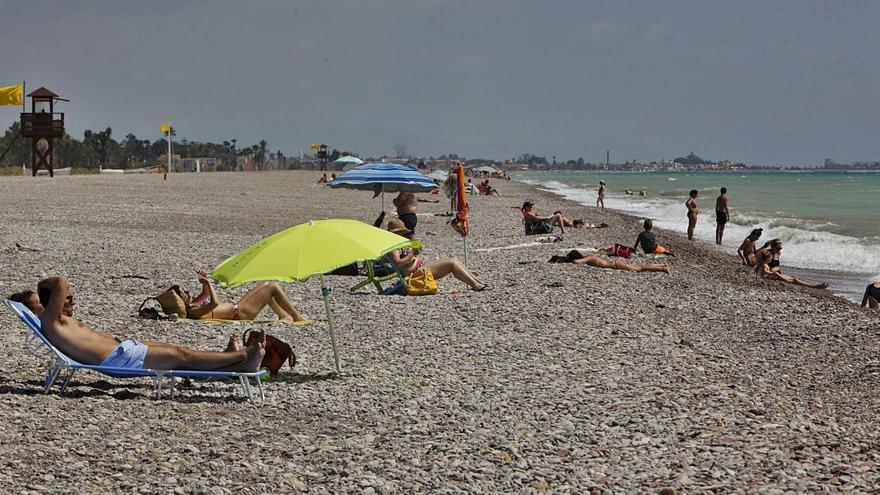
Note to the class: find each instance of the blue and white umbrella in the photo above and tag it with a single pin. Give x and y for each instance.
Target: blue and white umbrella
(381, 177)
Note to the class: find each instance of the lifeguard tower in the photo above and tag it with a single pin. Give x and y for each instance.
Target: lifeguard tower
(42, 125)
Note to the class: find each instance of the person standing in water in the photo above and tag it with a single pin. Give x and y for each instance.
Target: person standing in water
(722, 215)
(692, 213)
(600, 200)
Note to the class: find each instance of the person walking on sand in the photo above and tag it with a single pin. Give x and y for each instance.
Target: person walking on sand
(722, 215)
(692, 213)
(88, 346)
(600, 200)
(406, 203)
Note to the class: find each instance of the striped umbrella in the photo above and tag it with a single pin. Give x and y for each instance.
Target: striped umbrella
(381, 177)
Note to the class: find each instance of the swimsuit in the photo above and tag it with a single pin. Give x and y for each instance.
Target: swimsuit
(721, 217)
(409, 220)
(128, 354)
(871, 291)
(773, 263)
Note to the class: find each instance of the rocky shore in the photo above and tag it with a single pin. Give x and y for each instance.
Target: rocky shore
(560, 378)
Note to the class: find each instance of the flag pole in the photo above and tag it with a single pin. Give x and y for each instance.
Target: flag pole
(23, 92)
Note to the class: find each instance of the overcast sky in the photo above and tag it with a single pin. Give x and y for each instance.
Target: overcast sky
(761, 82)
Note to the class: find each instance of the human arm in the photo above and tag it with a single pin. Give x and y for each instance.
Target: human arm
(60, 289)
(207, 291)
(636, 244)
(740, 250)
(403, 262)
(865, 297)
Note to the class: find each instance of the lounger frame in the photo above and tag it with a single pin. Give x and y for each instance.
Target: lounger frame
(39, 345)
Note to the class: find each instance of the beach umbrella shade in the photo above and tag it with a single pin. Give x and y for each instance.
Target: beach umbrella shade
(347, 160)
(380, 177)
(460, 222)
(486, 168)
(440, 175)
(313, 248)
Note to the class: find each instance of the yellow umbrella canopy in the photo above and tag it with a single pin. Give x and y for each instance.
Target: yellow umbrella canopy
(312, 248)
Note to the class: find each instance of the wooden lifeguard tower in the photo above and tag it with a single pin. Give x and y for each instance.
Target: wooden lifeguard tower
(42, 125)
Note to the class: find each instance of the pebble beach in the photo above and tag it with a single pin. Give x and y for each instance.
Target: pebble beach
(558, 379)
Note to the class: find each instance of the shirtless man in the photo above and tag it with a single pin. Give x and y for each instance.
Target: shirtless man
(543, 225)
(600, 200)
(746, 250)
(88, 346)
(406, 203)
(722, 215)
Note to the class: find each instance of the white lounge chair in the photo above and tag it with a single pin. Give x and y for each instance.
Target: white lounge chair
(61, 362)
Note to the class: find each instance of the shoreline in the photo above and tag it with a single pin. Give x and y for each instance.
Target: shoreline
(560, 377)
(848, 285)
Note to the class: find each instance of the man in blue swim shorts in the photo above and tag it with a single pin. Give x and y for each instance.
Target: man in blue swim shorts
(88, 346)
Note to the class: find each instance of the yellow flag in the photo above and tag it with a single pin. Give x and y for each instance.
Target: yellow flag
(165, 127)
(11, 95)
(314, 147)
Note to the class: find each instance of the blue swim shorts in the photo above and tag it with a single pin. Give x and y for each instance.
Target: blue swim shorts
(128, 354)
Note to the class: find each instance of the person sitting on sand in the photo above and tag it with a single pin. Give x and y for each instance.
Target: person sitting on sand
(408, 261)
(543, 225)
(88, 346)
(616, 264)
(872, 296)
(207, 306)
(323, 179)
(767, 266)
(648, 240)
(746, 250)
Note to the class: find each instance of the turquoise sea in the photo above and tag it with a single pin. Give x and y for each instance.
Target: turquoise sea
(829, 222)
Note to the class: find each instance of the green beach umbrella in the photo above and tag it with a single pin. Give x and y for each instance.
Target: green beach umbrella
(313, 248)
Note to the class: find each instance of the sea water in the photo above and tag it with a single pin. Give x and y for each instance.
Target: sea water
(829, 222)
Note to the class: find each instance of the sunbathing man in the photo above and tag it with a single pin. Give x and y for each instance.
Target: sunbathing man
(746, 250)
(408, 261)
(767, 266)
(543, 225)
(615, 264)
(88, 346)
(208, 306)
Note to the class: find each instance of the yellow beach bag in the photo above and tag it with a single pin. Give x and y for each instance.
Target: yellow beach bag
(420, 283)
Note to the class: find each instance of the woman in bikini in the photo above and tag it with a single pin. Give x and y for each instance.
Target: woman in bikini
(408, 261)
(872, 295)
(207, 306)
(767, 266)
(692, 213)
(615, 264)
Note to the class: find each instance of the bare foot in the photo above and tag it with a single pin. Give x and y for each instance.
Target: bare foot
(234, 344)
(255, 354)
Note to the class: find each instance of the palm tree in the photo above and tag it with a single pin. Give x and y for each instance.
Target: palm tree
(260, 154)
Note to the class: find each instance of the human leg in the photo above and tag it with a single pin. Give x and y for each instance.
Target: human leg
(264, 295)
(648, 267)
(777, 275)
(872, 302)
(692, 224)
(559, 221)
(443, 267)
(169, 357)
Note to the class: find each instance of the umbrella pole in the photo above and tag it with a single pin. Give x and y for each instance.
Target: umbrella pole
(383, 197)
(325, 294)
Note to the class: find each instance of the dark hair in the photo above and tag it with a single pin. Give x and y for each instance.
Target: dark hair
(756, 233)
(693, 192)
(23, 297)
(723, 190)
(45, 294)
(648, 224)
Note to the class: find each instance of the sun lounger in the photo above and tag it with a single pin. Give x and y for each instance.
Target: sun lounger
(374, 279)
(60, 362)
